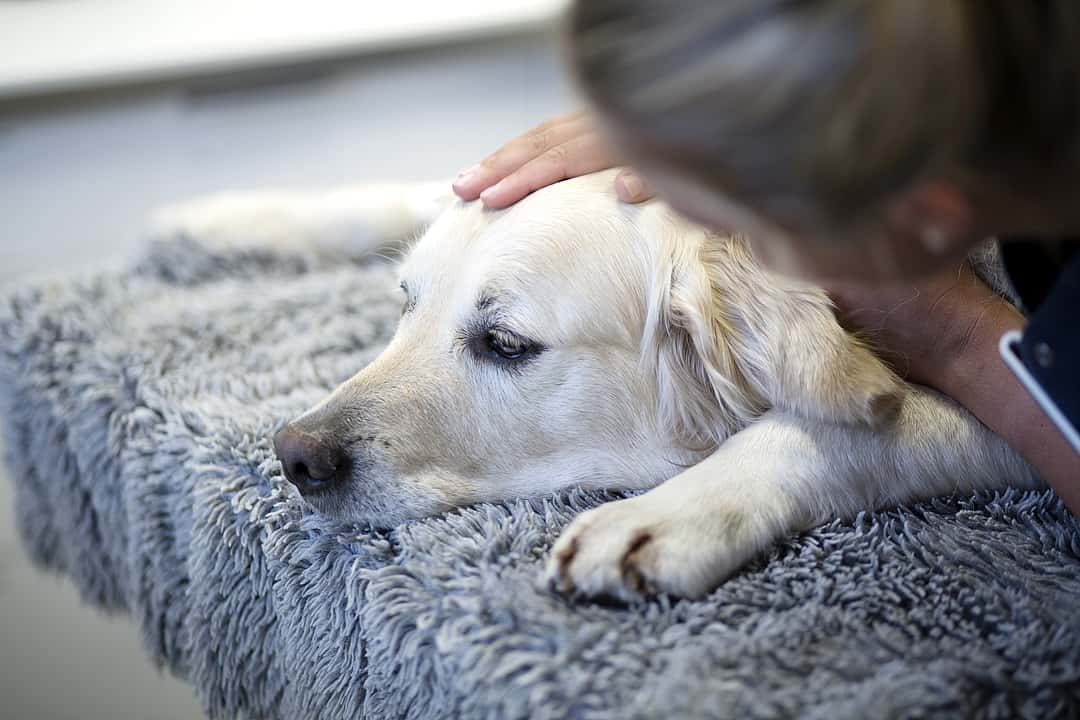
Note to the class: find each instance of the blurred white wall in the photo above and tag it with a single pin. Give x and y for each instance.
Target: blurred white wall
(51, 45)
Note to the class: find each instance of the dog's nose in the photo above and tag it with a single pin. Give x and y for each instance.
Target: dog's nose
(309, 463)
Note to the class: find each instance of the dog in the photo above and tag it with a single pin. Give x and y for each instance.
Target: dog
(573, 340)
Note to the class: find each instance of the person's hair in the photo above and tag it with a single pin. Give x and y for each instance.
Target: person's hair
(815, 112)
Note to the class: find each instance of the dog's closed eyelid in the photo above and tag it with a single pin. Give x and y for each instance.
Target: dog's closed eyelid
(478, 338)
(410, 299)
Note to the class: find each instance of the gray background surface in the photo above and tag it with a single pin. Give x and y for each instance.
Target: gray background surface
(77, 180)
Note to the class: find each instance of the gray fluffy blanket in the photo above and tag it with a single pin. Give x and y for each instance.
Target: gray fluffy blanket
(137, 407)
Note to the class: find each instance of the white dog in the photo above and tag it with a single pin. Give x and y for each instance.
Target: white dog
(576, 340)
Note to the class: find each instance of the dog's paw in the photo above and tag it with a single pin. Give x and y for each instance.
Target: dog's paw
(350, 221)
(634, 548)
(233, 221)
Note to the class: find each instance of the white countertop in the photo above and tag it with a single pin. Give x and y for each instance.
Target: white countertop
(50, 46)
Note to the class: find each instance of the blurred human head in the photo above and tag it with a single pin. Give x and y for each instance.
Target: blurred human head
(856, 139)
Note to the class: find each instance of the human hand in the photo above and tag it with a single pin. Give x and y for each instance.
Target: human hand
(563, 147)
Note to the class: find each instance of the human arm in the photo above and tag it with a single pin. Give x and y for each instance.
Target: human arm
(944, 334)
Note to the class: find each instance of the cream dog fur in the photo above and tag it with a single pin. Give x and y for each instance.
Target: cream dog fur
(576, 340)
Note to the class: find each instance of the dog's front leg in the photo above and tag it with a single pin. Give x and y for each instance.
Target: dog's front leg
(782, 474)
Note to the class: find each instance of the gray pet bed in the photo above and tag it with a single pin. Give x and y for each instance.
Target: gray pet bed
(137, 407)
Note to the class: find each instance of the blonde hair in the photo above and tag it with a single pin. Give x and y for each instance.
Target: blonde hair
(814, 112)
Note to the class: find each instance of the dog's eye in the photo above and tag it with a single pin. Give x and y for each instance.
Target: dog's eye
(504, 346)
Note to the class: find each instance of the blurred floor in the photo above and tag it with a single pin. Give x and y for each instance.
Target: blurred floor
(76, 184)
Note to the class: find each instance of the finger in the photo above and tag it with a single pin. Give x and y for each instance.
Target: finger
(579, 156)
(631, 187)
(516, 153)
(519, 151)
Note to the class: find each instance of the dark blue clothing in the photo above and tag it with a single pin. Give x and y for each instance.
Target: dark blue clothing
(1047, 280)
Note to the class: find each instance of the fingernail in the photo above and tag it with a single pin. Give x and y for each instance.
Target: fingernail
(491, 192)
(466, 175)
(632, 186)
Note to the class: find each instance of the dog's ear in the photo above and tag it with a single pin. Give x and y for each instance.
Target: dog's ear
(727, 341)
(697, 349)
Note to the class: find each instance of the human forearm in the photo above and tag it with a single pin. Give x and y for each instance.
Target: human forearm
(944, 333)
(978, 378)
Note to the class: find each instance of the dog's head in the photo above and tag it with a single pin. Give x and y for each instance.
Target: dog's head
(569, 340)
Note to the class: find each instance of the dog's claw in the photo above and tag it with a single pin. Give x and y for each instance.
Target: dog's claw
(632, 576)
(566, 555)
(559, 578)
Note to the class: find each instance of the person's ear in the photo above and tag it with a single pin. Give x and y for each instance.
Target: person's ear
(937, 215)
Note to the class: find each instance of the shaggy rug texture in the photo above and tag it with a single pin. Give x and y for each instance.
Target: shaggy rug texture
(138, 405)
